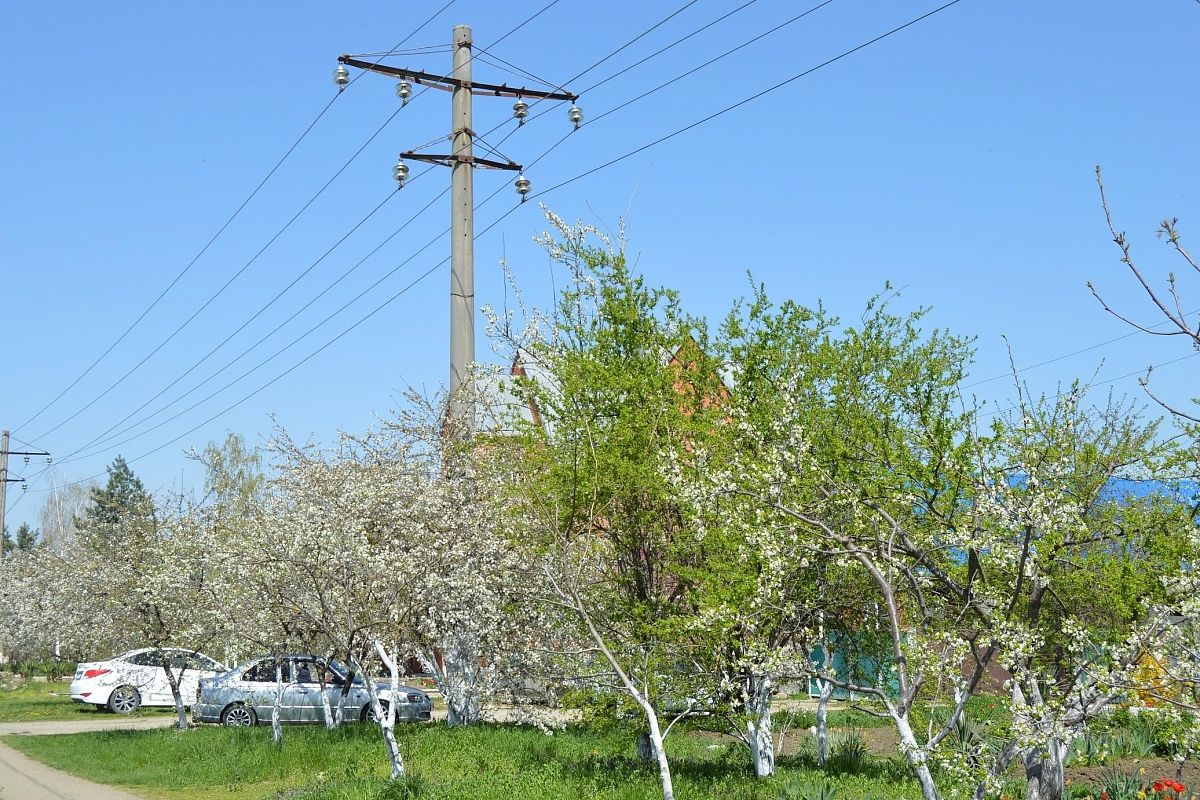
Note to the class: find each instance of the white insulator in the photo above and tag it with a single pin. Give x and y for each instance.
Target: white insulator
(341, 76)
(523, 186)
(400, 172)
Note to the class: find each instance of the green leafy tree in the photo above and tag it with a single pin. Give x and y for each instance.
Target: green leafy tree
(122, 497)
(620, 378)
(27, 537)
(233, 473)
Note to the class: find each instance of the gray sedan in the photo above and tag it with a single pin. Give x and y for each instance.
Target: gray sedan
(246, 694)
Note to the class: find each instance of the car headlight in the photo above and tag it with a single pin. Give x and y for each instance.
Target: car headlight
(413, 697)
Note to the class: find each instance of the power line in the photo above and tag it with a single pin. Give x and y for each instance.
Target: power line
(262, 339)
(1143, 371)
(593, 170)
(213, 297)
(651, 144)
(254, 192)
(714, 59)
(154, 303)
(752, 97)
(271, 302)
(247, 322)
(1080, 351)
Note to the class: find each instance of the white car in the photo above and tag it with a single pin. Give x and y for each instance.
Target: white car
(124, 683)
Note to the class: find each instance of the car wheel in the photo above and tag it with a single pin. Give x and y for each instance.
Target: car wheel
(368, 712)
(124, 700)
(239, 715)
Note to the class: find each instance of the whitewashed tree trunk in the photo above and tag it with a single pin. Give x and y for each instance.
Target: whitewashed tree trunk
(387, 720)
(826, 689)
(660, 752)
(655, 733)
(459, 677)
(1044, 771)
(331, 721)
(174, 681)
(758, 728)
(276, 721)
(918, 759)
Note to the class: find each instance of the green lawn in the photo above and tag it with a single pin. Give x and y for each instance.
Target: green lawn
(51, 701)
(479, 763)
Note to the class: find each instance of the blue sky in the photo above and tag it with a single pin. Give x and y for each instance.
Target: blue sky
(954, 159)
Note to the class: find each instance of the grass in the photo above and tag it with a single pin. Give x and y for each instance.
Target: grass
(479, 763)
(51, 701)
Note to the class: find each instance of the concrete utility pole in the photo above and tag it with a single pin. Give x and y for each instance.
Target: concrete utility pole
(5, 480)
(462, 235)
(3, 485)
(462, 162)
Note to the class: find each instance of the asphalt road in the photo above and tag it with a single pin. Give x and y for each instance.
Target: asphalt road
(22, 778)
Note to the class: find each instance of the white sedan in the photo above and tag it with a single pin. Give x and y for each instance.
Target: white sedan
(124, 683)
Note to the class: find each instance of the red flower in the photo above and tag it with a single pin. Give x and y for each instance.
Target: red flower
(1104, 795)
(1178, 787)
(1158, 786)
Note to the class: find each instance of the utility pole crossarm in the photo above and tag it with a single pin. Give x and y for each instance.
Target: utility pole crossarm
(447, 160)
(462, 161)
(449, 83)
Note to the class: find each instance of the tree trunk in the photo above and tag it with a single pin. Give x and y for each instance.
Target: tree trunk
(758, 727)
(331, 722)
(174, 681)
(660, 752)
(823, 721)
(276, 722)
(1044, 771)
(918, 759)
(645, 748)
(458, 677)
(387, 720)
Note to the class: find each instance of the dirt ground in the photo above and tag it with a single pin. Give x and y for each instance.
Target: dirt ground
(1149, 769)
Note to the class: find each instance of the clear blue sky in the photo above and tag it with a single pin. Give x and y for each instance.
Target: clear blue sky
(954, 159)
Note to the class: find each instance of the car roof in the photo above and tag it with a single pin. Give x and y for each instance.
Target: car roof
(141, 650)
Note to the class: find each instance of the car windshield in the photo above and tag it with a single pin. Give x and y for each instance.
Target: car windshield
(340, 670)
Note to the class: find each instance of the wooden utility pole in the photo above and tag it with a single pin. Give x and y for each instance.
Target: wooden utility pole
(462, 162)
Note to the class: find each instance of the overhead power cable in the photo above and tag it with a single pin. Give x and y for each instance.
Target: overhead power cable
(593, 170)
(224, 226)
(106, 438)
(1064, 356)
(1106, 382)
(221, 290)
(171, 336)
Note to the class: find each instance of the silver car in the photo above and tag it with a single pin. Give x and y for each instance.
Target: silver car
(246, 694)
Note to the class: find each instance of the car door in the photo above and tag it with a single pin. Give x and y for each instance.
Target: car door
(145, 673)
(198, 666)
(259, 684)
(306, 690)
(356, 693)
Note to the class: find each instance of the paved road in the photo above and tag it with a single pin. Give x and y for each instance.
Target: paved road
(22, 778)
